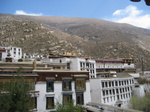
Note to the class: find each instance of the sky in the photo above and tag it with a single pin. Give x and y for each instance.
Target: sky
(122, 11)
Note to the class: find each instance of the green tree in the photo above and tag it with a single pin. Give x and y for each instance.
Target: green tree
(14, 95)
(69, 107)
(141, 103)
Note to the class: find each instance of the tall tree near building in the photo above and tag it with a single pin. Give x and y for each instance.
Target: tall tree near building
(14, 95)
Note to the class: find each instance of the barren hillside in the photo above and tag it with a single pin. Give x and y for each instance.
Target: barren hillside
(86, 37)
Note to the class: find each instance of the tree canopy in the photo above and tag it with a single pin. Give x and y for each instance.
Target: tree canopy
(141, 103)
(14, 95)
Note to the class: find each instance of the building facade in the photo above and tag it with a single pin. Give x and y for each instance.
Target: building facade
(61, 87)
(112, 89)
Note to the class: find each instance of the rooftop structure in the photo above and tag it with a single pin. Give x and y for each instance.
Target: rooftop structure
(74, 63)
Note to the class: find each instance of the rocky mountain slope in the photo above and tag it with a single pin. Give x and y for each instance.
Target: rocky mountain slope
(94, 38)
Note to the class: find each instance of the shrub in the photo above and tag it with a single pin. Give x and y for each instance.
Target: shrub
(69, 107)
(20, 60)
(38, 59)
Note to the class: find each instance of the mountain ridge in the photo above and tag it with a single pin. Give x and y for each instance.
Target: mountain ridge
(88, 37)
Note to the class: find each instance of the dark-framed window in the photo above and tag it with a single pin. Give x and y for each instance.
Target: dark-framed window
(49, 85)
(80, 84)
(79, 98)
(81, 64)
(33, 103)
(103, 84)
(66, 84)
(49, 102)
(67, 98)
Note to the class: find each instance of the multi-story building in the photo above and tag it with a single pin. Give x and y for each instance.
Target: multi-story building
(51, 83)
(14, 52)
(61, 86)
(118, 65)
(112, 88)
(74, 63)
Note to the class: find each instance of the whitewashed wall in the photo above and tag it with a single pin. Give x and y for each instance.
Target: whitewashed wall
(58, 96)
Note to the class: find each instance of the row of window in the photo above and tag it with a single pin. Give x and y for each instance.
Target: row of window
(117, 83)
(109, 66)
(16, 53)
(117, 91)
(67, 84)
(118, 97)
(110, 61)
(91, 71)
(67, 98)
(15, 49)
(50, 102)
(86, 65)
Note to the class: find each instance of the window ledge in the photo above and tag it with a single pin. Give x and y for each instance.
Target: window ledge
(50, 95)
(67, 91)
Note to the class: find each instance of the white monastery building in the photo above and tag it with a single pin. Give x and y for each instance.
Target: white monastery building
(112, 88)
(75, 63)
(61, 86)
(14, 52)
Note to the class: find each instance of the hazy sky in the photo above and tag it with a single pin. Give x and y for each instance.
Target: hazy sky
(123, 11)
